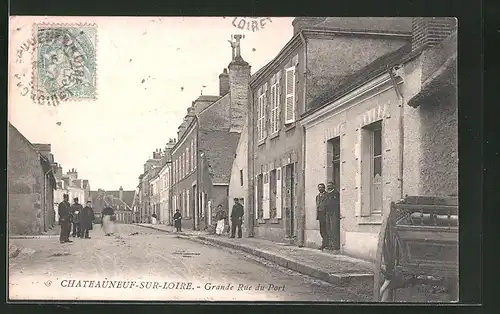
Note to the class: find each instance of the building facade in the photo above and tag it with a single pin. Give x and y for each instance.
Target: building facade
(207, 139)
(166, 215)
(378, 142)
(31, 186)
(322, 53)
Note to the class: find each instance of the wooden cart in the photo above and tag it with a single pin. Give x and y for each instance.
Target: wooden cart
(418, 243)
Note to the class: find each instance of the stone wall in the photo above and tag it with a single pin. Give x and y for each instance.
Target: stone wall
(25, 186)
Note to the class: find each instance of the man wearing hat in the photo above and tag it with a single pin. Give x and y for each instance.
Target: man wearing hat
(76, 209)
(236, 218)
(64, 212)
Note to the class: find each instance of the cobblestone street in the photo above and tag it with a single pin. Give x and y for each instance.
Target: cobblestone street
(43, 268)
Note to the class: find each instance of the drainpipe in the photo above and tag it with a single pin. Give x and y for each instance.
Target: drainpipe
(393, 72)
(302, 226)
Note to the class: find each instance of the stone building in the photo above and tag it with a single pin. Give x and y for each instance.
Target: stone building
(322, 53)
(207, 138)
(387, 131)
(31, 185)
(150, 170)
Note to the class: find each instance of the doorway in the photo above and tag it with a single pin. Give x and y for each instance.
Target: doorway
(290, 200)
(334, 176)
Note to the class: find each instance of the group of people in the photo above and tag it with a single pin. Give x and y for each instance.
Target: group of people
(81, 218)
(236, 219)
(328, 214)
(77, 220)
(220, 218)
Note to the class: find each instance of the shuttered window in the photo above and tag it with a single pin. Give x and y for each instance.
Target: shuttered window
(266, 200)
(290, 95)
(275, 107)
(188, 161)
(261, 121)
(278, 193)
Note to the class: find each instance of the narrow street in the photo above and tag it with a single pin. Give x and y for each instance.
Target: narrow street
(45, 269)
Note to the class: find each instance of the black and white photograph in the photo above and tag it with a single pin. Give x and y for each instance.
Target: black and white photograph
(231, 158)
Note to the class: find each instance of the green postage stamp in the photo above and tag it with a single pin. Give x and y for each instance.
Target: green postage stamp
(64, 68)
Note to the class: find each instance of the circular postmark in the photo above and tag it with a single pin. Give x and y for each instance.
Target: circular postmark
(250, 23)
(65, 65)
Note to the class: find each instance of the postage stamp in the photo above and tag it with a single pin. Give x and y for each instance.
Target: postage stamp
(64, 65)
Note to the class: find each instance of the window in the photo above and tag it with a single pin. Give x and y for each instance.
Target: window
(261, 115)
(371, 172)
(188, 160)
(290, 95)
(192, 156)
(278, 193)
(188, 207)
(275, 108)
(195, 154)
(259, 188)
(183, 169)
(272, 192)
(241, 177)
(333, 163)
(266, 197)
(376, 172)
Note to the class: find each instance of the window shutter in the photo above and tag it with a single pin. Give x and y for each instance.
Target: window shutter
(278, 193)
(266, 196)
(256, 197)
(290, 95)
(264, 114)
(278, 105)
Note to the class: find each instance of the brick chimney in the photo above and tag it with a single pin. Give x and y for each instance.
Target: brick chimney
(157, 154)
(239, 79)
(223, 83)
(120, 192)
(72, 174)
(429, 31)
(306, 21)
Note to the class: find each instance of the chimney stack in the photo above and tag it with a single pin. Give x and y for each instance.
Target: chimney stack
(239, 80)
(223, 83)
(429, 31)
(121, 193)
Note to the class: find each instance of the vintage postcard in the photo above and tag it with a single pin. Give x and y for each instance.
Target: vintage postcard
(233, 159)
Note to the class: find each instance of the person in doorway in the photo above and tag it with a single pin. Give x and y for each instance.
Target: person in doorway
(154, 218)
(178, 220)
(86, 219)
(236, 218)
(333, 216)
(107, 222)
(76, 209)
(220, 217)
(64, 211)
(321, 205)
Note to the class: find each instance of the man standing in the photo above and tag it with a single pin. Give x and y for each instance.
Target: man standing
(178, 220)
(64, 211)
(86, 219)
(333, 216)
(321, 206)
(76, 209)
(236, 218)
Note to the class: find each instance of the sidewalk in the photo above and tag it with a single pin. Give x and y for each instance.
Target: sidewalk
(333, 268)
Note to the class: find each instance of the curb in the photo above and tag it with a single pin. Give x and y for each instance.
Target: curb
(337, 279)
(42, 236)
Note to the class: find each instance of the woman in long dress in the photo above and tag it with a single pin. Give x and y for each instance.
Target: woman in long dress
(220, 218)
(107, 224)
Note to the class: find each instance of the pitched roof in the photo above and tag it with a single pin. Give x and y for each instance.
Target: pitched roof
(216, 117)
(128, 196)
(357, 79)
(394, 25)
(219, 149)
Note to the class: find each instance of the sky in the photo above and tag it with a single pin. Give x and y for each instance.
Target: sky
(149, 70)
